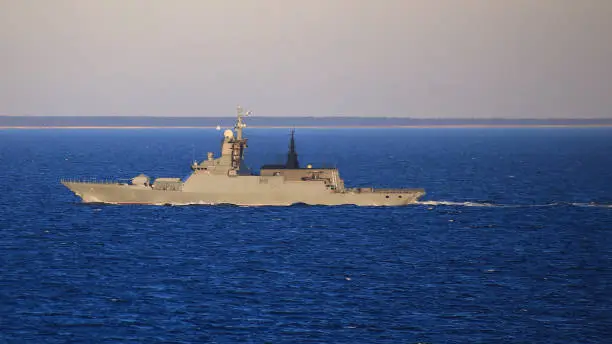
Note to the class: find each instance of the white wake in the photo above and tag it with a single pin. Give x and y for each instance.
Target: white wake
(494, 205)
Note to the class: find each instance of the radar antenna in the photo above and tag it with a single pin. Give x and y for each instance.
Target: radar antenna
(239, 123)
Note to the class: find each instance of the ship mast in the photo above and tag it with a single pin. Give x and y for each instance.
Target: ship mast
(238, 144)
(239, 123)
(292, 157)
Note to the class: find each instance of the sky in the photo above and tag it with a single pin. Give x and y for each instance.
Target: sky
(395, 58)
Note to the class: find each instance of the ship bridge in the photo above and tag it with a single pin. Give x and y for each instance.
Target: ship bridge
(233, 147)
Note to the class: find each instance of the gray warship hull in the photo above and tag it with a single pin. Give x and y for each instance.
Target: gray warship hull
(117, 193)
(227, 180)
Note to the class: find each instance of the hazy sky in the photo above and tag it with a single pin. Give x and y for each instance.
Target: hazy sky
(417, 58)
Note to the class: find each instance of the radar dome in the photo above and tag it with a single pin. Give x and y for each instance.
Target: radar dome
(228, 134)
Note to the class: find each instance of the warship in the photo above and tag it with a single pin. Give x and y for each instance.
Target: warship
(227, 180)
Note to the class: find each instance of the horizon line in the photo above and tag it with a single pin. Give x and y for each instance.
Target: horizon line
(443, 126)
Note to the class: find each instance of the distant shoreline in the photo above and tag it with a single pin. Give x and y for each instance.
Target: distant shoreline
(134, 122)
(433, 126)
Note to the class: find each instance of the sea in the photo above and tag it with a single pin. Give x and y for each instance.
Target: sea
(511, 244)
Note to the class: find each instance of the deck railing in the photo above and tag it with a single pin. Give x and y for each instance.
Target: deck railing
(94, 181)
(376, 190)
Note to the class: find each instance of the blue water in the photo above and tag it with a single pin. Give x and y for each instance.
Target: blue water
(513, 242)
